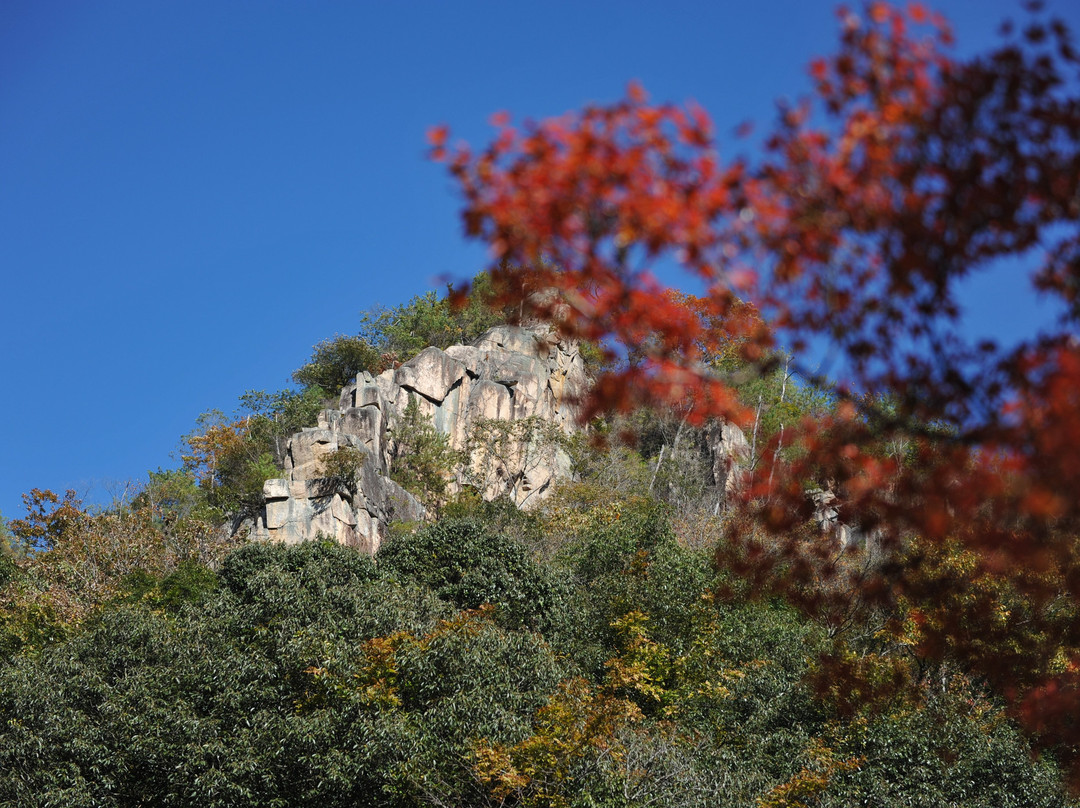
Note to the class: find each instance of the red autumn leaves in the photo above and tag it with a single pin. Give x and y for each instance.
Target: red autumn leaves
(905, 171)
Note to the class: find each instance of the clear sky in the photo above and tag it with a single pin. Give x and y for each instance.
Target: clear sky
(194, 192)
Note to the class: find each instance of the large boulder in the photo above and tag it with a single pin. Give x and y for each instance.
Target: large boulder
(431, 373)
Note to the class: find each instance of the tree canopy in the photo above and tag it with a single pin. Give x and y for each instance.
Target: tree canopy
(459, 671)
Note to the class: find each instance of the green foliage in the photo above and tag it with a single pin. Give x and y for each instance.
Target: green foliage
(307, 678)
(8, 568)
(606, 478)
(779, 399)
(272, 418)
(630, 561)
(190, 582)
(403, 331)
(229, 459)
(422, 457)
(7, 539)
(173, 495)
(467, 564)
(615, 545)
(595, 359)
(232, 458)
(94, 557)
(314, 567)
(952, 751)
(336, 361)
(240, 488)
(500, 517)
(310, 675)
(341, 469)
(389, 336)
(571, 656)
(28, 621)
(9, 552)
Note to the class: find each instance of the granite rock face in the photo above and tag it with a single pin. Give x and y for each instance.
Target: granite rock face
(502, 402)
(505, 404)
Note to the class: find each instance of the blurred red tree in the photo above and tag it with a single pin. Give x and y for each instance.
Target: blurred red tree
(905, 171)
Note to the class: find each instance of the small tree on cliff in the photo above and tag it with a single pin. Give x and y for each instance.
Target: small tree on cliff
(906, 171)
(422, 457)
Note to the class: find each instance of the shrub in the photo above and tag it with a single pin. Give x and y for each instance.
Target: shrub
(422, 457)
(336, 361)
(466, 564)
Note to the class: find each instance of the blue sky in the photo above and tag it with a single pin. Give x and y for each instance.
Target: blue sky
(193, 193)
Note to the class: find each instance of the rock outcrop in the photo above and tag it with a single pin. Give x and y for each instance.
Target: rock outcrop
(502, 402)
(847, 533)
(505, 404)
(730, 452)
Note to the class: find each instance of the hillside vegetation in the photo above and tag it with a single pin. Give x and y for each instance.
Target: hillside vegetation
(461, 670)
(595, 652)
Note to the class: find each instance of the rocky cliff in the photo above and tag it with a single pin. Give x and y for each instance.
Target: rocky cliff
(502, 403)
(505, 404)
